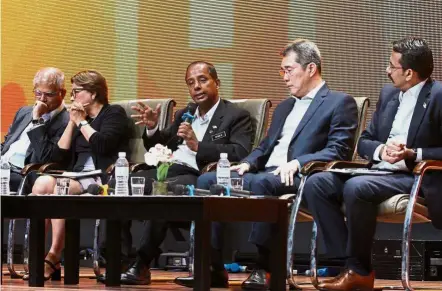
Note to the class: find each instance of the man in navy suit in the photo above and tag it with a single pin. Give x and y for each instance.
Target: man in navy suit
(405, 129)
(313, 124)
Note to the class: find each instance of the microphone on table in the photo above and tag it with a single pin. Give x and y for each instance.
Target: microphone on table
(189, 190)
(217, 189)
(187, 117)
(102, 190)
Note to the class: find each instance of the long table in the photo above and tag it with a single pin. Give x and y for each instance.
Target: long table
(202, 210)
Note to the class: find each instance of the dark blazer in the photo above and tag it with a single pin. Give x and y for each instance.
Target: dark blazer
(425, 132)
(229, 131)
(112, 137)
(325, 133)
(43, 138)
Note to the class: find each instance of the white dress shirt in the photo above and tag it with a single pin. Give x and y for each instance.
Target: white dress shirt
(16, 153)
(400, 127)
(278, 156)
(184, 155)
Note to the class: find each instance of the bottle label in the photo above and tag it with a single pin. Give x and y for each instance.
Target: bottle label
(122, 172)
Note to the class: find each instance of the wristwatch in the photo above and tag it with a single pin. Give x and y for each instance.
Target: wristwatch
(38, 121)
(82, 123)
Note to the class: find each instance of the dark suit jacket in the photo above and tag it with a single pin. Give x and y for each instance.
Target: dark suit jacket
(43, 138)
(325, 133)
(229, 131)
(425, 132)
(112, 136)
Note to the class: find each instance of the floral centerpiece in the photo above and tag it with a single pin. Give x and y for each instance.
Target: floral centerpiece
(160, 157)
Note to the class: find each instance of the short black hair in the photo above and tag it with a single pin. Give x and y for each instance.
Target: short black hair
(306, 51)
(416, 55)
(212, 70)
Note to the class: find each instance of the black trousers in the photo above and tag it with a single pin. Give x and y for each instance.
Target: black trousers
(155, 231)
(16, 178)
(350, 234)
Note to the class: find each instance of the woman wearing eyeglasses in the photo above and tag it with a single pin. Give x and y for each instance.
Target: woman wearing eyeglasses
(96, 132)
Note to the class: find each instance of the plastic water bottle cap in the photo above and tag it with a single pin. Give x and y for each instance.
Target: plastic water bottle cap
(121, 154)
(223, 155)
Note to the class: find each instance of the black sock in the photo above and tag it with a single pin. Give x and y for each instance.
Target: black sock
(263, 258)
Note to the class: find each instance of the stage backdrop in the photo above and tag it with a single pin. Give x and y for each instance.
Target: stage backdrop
(143, 47)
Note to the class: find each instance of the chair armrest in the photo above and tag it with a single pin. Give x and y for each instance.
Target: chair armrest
(209, 167)
(427, 165)
(313, 166)
(29, 168)
(347, 164)
(212, 167)
(133, 168)
(51, 167)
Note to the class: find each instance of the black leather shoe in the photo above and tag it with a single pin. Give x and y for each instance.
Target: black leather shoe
(218, 279)
(138, 274)
(124, 266)
(258, 280)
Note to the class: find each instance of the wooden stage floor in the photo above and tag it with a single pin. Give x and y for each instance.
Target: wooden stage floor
(163, 280)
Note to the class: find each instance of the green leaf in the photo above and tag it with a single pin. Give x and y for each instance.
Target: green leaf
(162, 171)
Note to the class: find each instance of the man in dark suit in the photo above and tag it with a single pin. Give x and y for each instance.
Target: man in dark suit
(405, 129)
(218, 127)
(36, 129)
(314, 123)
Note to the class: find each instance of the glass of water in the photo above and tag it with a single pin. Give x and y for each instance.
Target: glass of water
(137, 186)
(62, 186)
(236, 183)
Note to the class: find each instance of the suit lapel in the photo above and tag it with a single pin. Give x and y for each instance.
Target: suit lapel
(21, 127)
(215, 122)
(388, 116)
(287, 107)
(419, 112)
(317, 101)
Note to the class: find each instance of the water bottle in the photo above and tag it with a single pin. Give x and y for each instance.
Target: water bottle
(5, 176)
(223, 171)
(122, 175)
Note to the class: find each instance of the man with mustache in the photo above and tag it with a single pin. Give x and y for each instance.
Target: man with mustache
(218, 126)
(405, 129)
(36, 129)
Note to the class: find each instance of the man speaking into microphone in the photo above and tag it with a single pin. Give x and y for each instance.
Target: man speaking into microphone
(215, 126)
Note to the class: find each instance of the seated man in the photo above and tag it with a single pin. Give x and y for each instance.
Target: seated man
(36, 129)
(406, 128)
(315, 123)
(218, 127)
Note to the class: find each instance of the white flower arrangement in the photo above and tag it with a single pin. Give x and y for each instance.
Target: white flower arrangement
(161, 157)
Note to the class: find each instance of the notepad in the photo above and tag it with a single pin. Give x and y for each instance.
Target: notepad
(359, 171)
(75, 175)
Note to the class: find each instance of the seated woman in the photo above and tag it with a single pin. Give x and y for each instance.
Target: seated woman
(96, 132)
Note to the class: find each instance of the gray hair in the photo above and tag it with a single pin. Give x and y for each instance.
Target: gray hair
(51, 77)
(306, 52)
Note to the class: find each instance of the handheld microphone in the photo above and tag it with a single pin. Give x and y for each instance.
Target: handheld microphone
(216, 189)
(187, 117)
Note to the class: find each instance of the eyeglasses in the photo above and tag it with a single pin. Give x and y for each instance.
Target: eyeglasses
(288, 71)
(75, 91)
(392, 68)
(39, 94)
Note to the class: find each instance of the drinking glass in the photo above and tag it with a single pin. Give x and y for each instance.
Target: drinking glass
(137, 186)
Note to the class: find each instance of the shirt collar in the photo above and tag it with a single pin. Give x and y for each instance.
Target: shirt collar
(413, 91)
(313, 92)
(209, 113)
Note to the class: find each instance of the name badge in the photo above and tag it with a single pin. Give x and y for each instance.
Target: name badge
(218, 135)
